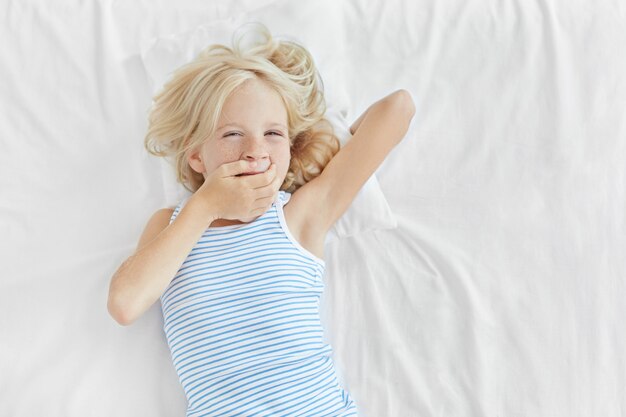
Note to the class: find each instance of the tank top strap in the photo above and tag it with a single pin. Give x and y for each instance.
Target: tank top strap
(283, 197)
(178, 208)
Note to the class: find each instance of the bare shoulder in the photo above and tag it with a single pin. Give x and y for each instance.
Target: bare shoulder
(164, 212)
(157, 222)
(301, 218)
(162, 216)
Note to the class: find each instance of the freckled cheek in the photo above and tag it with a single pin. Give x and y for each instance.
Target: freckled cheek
(217, 155)
(225, 153)
(282, 159)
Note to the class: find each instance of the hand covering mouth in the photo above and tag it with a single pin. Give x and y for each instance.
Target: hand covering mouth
(261, 167)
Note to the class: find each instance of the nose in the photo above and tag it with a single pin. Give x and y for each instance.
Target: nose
(255, 150)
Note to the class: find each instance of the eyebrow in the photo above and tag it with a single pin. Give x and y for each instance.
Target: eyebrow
(236, 125)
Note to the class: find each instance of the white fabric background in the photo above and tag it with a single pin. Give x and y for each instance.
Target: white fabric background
(500, 293)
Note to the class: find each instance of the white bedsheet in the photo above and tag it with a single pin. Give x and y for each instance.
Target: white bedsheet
(500, 293)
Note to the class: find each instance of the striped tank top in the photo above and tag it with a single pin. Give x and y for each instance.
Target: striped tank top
(242, 323)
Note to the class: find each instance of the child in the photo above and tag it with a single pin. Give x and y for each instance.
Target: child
(238, 265)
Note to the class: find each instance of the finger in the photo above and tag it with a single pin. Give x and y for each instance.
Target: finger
(261, 208)
(261, 180)
(273, 187)
(270, 191)
(258, 212)
(265, 196)
(240, 166)
(264, 204)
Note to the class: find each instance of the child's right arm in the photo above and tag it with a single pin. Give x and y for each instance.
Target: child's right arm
(162, 249)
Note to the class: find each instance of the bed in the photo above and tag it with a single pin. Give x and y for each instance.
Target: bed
(480, 272)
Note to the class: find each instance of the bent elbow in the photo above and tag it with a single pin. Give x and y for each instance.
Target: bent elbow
(405, 101)
(118, 314)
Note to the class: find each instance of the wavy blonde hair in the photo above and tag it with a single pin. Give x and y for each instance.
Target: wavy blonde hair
(186, 111)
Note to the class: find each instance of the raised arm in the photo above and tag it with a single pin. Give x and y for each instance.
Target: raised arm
(376, 132)
(358, 121)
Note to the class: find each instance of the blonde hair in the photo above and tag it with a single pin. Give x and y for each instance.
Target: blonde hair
(186, 111)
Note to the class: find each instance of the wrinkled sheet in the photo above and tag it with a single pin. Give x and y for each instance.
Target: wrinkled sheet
(500, 293)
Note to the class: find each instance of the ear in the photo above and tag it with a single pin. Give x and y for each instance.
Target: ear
(195, 161)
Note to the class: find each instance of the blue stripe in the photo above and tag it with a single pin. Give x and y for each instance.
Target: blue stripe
(185, 317)
(212, 269)
(241, 318)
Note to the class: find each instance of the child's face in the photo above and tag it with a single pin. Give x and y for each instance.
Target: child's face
(259, 134)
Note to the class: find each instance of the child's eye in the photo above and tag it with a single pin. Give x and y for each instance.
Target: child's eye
(237, 133)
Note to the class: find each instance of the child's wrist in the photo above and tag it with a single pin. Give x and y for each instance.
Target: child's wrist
(201, 209)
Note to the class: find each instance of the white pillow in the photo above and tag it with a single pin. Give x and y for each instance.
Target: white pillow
(161, 56)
